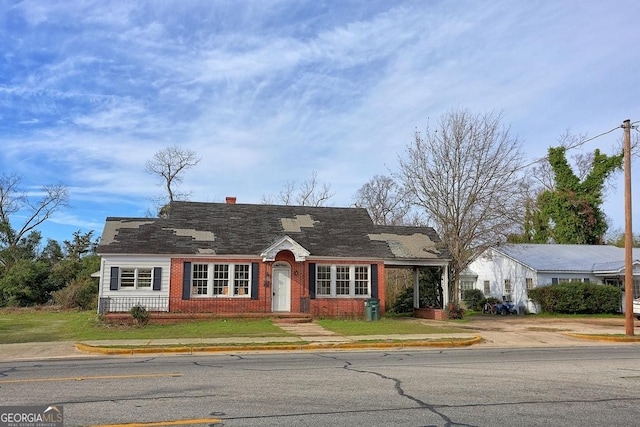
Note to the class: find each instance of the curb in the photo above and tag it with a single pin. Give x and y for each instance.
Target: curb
(609, 338)
(114, 351)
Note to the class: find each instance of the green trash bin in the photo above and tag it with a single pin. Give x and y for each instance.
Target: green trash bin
(372, 309)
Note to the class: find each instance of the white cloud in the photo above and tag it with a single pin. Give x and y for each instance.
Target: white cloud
(267, 92)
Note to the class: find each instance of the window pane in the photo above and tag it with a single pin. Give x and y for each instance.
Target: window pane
(342, 280)
(220, 279)
(362, 280)
(529, 281)
(466, 285)
(144, 277)
(199, 279)
(507, 290)
(127, 277)
(323, 280)
(241, 279)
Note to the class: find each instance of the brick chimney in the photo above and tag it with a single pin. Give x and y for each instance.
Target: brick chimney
(231, 200)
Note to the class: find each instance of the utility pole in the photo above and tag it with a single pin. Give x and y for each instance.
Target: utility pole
(628, 231)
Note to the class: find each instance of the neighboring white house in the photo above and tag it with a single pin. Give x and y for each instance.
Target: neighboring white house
(507, 271)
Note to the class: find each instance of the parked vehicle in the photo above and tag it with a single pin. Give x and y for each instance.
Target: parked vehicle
(505, 308)
(501, 307)
(636, 308)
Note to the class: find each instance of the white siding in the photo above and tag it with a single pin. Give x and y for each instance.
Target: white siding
(496, 268)
(547, 278)
(124, 299)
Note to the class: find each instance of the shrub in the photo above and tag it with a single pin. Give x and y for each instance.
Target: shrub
(23, 284)
(79, 293)
(140, 314)
(577, 298)
(454, 312)
(474, 299)
(404, 302)
(493, 300)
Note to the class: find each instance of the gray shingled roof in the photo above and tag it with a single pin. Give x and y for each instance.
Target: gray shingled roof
(549, 257)
(245, 229)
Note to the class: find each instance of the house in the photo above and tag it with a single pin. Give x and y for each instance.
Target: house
(507, 271)
(246, 259)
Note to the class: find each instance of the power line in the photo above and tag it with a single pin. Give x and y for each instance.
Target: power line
(578, 144)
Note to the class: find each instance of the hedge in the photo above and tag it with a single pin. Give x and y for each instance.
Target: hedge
(474, 299)
(577, 298)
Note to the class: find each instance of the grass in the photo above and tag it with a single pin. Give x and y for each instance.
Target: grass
(34, 325)
(46, 325)
(385, 326)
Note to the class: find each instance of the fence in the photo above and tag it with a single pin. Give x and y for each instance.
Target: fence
(124, 304)
(321, 307)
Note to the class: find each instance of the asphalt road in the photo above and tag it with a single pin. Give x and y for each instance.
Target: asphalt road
(578, 386)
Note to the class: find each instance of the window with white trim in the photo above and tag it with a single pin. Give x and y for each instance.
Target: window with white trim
(136, 278)
(487, 287)
(343, 280)
(529, 283)
(323, 280)
(466, 285)
(361, 280)
(220, 279)
(200, 279)
(507, 290)
(225, 280)
(241, 276)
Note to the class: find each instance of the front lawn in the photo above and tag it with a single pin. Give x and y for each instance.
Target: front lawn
(35, 325)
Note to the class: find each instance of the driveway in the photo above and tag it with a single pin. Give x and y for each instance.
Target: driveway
(534, 331)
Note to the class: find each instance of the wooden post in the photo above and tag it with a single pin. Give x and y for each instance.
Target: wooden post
(628, 231)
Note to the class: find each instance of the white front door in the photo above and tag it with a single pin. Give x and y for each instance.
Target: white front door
(281, 287)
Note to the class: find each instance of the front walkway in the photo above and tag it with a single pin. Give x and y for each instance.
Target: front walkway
(311, 332)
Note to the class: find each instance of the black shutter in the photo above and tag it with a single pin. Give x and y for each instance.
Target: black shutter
(255, 277)
(312, 280)
(115, 275)
(157, 278)
(186, 280)
(374, 280)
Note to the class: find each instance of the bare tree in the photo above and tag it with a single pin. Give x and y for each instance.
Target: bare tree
(385, 200)
(169, 164)
(36, 210)
(465, 176)
(309, 193)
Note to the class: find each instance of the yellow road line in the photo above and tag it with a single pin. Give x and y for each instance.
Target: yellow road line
(165, 423)
(97, 377)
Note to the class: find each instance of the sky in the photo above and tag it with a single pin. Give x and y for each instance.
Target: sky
(268, 92)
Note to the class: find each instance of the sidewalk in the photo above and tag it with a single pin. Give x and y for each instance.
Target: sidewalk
(484, 332)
